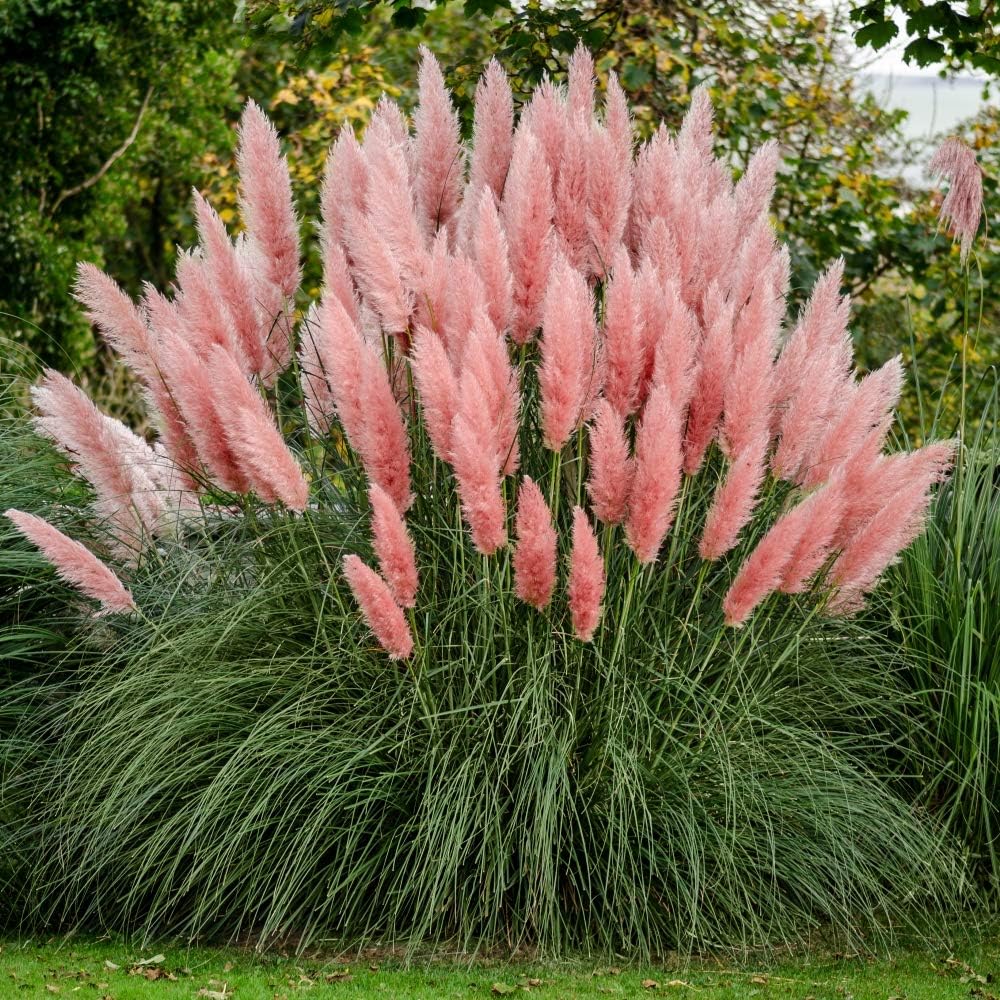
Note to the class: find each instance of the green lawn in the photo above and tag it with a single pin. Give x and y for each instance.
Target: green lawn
(101, 970)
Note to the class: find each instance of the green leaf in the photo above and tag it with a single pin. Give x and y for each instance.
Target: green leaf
(924, 51)
(876, 35)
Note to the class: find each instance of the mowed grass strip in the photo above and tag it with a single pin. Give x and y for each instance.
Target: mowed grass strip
(107, 970)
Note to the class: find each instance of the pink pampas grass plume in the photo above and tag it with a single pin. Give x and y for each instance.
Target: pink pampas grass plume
(266, 201)
(755, 188)
(585, 588)
(877, 545)
(861, 409)
(567, 353)
(118, 464)
(489, 249)
(486, 358)
(571, 187)
(73, 562)
(811, 372)
(714, 358)
(271, 248)
(622, 337)
(477, 468)
(191, 385)
(116, 316)
(734, 500)
(527, 215)
(792, 550)
(344, 190)
(385, 446)
(493, 132)
(226, 274)
(618, 122)
(580, 83)
(340, 352)
(256, 443)
(669, 338)
(391, 209)
(534, 557)
(438, 388)
(382, 614)
(377, 273)
(393, 548)
(962, 207)
(658, 461)
(609, 196)
(437, 149)
(611, 466)
(827, 507)
(206, 319)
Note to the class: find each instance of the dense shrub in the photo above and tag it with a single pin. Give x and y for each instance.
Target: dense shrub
(650, 735)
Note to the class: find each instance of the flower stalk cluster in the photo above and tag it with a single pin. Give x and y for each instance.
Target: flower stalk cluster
(549, 306)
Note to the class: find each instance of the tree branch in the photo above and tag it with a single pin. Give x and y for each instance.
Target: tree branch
(110, 161)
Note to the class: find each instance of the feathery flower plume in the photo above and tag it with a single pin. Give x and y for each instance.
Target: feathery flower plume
(618, 122)
(492, 131)
(393, 547)
(489, 249)
(712, 372)
(534, 557)
(438, 388)
(202, 311)
(622, 336)
(382, 614)
(658, 461)
(377, 273)
(962, 207)
(862, 408)
(227, 275)
(811, 372)
(734, 500)
(477, 468)
(827, 509)
(585, 588)
(801, 536)
(344, 191)
(385, 444)
(74, 563)
(527, 214)
(669, 338)
(190, 383)
(116, 316)
(486, 358)
(755, 188)
(571, 192)
(874, 548)
(609, 195)
(565, 373)
(611, 466)
(580, 83)
(272, 231)
(437, 148)
(117, 464)
(249, 429)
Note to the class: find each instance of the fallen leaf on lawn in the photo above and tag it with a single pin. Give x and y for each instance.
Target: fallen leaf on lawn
(51, 988)
(650, 984)
(223, 994)
(680, 982)
(108, 964)
(759, 980)
(155, 960)
(503, 989)
(339, 974)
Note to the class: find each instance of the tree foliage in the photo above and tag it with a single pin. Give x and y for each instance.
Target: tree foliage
(952, 35)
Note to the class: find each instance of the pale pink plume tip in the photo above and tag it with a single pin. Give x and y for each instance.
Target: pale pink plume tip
(393, 547)
(585, 589)
(535, 553)
(73, 562)
(384, 616)
(963, 204)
